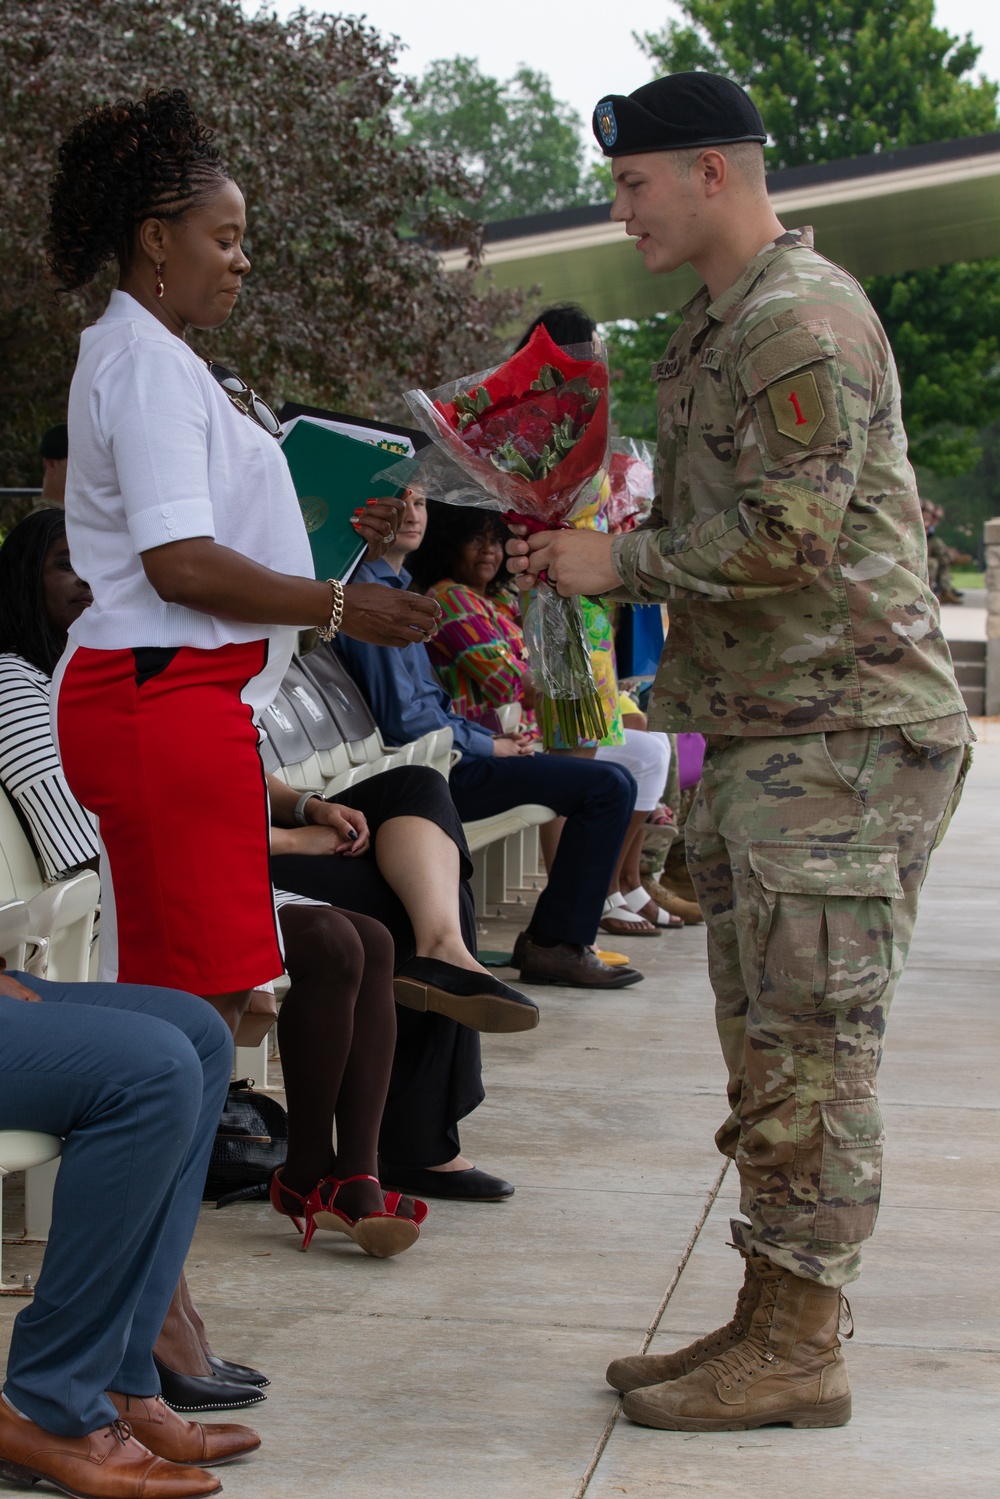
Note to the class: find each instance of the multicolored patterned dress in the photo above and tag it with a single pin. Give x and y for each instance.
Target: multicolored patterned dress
(478, 651)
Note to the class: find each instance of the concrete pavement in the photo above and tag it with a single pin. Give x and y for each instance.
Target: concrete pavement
(472, 1366)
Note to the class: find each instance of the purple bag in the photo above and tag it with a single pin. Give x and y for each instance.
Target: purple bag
(690, 759)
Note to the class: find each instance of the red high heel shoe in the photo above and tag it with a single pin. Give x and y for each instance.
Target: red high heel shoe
(379, 1234)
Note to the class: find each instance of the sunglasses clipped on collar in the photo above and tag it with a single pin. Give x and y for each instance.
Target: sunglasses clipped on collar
(245, 399)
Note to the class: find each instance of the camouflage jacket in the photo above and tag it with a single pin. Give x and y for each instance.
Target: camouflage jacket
(786, 533)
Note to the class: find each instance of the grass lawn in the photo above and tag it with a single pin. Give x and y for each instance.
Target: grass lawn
(968, 578)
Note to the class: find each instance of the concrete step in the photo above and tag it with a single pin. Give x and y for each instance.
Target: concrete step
(970, 673)
(972, 651)
(969, 657)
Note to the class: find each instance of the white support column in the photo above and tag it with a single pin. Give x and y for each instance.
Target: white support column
(496, 872)
(531, 855)
(515, 861)
(478, 881)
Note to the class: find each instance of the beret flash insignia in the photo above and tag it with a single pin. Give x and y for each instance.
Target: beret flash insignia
(607, 125)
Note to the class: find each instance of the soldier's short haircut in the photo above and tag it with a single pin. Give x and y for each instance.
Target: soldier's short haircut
(745, 157)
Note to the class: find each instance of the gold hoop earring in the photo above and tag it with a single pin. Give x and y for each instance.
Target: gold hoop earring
(159, 279)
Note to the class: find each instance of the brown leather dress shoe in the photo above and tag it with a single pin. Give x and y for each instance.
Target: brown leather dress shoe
(167, 1434)
(566, 963)
(105, 1464)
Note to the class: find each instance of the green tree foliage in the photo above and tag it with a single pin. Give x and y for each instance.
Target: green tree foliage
(347, 304)
(969, 500)
(633, 349)
(944, 327)
(520, 147)
(840, 79)
(845, 79)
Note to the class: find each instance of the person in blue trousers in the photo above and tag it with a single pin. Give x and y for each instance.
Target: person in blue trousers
(133, 1078)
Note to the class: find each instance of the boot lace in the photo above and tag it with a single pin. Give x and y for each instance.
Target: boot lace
(742, 1314)
(120, 1430)
(744, 1360)
(741, 1363)
(845, 1321)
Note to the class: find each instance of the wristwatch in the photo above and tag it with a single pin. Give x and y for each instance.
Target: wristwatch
(300, 807)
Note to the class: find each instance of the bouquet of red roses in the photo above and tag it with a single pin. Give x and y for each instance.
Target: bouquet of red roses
(530, 439)
(631, 484)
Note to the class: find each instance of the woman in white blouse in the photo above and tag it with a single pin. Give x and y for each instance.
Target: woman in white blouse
(181, 514)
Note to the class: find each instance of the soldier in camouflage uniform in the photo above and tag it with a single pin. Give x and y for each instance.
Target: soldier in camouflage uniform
(805, 644)
(939, 557)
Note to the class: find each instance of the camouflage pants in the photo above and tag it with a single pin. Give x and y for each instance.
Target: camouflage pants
(808, 853)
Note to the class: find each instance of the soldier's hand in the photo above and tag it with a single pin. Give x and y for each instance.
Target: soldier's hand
(574, 561)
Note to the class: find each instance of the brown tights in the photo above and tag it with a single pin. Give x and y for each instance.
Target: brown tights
(336, 1033)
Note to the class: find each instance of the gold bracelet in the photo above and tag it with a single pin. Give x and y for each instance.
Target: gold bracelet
(336, 613)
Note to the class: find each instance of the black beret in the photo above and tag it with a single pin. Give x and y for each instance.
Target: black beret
(675, 113)
(55, 442)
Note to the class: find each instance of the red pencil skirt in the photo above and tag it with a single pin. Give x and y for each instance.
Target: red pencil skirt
(159, 745)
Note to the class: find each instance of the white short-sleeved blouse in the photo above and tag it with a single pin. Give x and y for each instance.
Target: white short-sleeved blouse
(158, 453)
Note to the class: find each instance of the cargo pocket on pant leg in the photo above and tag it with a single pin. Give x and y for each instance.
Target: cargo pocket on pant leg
(851, 1172)
(821, 922)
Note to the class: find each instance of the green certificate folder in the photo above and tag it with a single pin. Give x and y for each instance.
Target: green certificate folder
(332, 475)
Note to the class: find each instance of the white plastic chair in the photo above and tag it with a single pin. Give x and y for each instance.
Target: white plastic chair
(488, 843)
(61, 916)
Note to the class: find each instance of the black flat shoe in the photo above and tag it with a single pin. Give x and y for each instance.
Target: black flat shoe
(237, 1373)
(477, 1000)
(204, 1392)
(471, 1185)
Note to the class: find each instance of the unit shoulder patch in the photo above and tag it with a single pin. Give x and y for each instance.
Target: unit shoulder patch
(797, 406)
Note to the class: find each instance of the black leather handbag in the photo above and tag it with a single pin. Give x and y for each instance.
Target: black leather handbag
(250, 1144)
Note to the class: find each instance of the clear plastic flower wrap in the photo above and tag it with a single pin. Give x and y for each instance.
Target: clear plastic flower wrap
(528, 438)
(631, 482)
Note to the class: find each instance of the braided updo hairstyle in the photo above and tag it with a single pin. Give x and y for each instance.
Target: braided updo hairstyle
(122, 163)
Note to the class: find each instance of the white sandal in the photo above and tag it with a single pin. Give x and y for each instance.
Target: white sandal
(618, 911)
(637, 900)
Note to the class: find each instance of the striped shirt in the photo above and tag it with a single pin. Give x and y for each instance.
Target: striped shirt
(63, 833)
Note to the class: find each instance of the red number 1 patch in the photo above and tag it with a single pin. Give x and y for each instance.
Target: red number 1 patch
(797, 408)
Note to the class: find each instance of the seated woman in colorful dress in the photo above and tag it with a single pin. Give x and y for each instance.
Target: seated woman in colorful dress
(478, 651)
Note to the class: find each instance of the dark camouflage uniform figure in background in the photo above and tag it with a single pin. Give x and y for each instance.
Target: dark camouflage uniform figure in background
(940, 556)
(805, 643)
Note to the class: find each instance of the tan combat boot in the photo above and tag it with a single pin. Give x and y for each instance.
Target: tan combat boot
(643, 1369)
(788, 1369)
